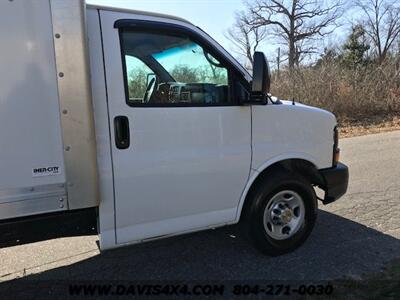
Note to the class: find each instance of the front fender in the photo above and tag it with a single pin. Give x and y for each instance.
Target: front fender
(268, 163)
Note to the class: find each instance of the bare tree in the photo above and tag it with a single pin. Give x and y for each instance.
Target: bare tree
(382, 24)
(246, 39)
(296, 23)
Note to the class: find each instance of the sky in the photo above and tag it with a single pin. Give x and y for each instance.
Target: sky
(213, 16)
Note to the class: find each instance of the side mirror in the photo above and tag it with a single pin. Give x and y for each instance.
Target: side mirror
(149, 77)
(261, 79)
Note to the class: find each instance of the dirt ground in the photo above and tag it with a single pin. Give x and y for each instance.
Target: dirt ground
(369, 125)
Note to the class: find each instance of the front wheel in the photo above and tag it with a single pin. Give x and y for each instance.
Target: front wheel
(282, 213)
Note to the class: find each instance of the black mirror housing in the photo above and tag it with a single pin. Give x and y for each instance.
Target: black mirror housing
(261, 78)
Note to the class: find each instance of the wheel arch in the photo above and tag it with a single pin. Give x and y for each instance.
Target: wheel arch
(300, 165)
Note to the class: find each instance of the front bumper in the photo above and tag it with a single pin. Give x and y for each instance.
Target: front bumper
(335, 184)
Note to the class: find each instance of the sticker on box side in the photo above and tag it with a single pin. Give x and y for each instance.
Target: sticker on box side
(46, 171)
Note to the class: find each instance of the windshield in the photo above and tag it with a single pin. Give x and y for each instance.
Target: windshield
(244, 70)
(190, 63)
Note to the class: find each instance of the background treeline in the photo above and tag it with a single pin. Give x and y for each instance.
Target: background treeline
(357, 76)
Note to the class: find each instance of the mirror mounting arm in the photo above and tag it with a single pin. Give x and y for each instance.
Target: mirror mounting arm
(259, 98)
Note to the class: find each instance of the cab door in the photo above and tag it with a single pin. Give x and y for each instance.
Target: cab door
(181, 144)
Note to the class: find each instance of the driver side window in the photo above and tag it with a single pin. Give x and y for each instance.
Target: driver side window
(171, 70)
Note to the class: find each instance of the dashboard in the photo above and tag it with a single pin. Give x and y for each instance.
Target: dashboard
(190, 93)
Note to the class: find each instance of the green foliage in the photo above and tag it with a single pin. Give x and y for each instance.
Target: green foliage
(355, 48)
(354, 51)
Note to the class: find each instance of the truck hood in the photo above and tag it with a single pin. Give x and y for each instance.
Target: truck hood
(311, 108)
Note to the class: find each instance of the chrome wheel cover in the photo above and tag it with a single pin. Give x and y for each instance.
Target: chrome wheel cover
(284, 215)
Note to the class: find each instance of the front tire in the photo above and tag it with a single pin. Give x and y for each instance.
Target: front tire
(282, 212)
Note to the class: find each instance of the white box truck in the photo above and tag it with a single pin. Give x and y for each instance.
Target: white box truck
(147, 120)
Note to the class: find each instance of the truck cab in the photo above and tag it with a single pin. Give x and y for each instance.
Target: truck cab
(164, 133)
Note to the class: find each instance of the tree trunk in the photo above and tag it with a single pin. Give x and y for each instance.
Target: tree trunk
(292, 44)
(292, 53)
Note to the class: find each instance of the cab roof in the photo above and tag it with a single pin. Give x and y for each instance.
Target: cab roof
(138, 12)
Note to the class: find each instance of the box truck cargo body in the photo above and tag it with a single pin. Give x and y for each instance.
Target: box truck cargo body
(148, 120)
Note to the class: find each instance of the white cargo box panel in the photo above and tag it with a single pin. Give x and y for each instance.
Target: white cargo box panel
(34, 170)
